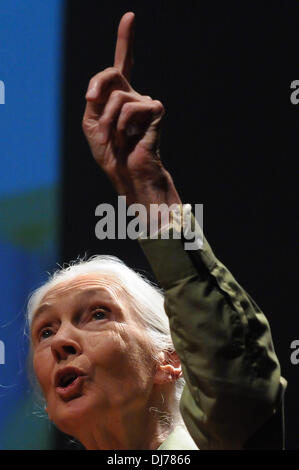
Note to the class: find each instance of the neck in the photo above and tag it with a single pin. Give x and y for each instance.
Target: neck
(143, 429)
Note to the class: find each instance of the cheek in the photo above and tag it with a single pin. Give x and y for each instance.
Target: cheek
(43, 368)
(106, 350)
(122, 353)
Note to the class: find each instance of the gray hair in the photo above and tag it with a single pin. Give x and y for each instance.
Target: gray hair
(145, 297)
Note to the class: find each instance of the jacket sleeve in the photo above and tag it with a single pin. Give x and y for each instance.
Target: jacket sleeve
(233, 396)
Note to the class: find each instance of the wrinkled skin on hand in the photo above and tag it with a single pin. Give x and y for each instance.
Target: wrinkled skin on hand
(123, 129)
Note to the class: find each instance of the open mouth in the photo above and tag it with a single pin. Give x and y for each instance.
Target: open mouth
(66, 376)
(69, 382)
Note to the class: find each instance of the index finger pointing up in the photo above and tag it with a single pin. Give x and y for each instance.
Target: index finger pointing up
(123, 59)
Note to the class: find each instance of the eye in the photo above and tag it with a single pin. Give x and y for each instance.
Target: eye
(45, 333)
(99, 313)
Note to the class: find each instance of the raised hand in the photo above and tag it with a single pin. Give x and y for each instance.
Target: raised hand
(123, 127)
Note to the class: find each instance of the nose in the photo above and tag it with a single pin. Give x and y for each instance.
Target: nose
(65, 343)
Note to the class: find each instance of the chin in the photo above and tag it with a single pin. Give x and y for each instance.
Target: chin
(72, 415)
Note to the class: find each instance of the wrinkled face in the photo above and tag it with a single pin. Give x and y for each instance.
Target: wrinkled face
(90, 353)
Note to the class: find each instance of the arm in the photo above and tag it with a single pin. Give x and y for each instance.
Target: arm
(223, 340)
(233, 398)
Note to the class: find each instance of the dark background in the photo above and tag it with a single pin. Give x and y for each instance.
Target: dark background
(223, 72)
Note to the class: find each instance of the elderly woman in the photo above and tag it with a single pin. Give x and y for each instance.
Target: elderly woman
(111, 373)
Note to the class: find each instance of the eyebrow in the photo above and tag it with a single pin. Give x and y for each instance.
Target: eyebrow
(41, 309)
(87, 293)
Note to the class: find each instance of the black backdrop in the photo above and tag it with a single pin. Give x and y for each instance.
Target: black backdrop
(223, 71)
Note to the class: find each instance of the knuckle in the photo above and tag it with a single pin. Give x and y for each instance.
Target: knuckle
(107, 74)
(128, 108)
(158, 106)
(116, 95)
(112, 72)
(93, 81)
(126, 114)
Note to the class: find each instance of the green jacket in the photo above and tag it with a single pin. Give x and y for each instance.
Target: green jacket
(233, 397)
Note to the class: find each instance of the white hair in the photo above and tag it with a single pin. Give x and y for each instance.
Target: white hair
(145, 297)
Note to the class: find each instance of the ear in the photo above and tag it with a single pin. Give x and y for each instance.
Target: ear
(168, 369)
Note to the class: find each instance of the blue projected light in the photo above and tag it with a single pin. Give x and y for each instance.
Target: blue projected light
(30, 56)
(31, 50)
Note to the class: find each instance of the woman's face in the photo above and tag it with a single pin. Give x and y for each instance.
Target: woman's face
(90, 354)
